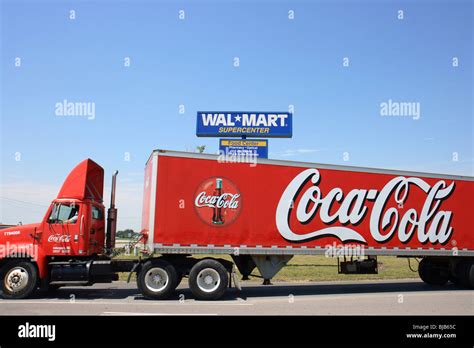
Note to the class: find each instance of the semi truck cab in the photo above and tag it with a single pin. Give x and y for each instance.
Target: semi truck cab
(69, 245)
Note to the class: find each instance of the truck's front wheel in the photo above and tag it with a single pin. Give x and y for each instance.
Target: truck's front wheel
(208, 280)
(157, 279)
(19, 279)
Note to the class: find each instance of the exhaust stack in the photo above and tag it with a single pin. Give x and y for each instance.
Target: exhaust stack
(111, 218)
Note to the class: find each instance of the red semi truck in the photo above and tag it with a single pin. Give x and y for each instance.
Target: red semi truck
(260, 214)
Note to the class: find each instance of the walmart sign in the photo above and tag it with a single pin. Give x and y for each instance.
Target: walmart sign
(251, 124)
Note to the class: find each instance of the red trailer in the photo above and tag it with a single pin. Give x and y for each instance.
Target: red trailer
(259, 213)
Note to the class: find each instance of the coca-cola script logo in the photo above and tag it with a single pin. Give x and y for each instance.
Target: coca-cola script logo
(218, 201)
(430, 223)
(59, 238)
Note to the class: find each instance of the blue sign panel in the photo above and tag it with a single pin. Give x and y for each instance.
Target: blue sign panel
(251, 124)
(243, 147)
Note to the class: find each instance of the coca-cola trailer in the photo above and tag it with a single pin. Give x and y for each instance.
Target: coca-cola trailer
(261, 214)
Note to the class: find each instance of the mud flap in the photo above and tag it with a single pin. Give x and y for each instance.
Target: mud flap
(235, 278)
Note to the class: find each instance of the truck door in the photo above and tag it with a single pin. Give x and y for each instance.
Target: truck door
(64, 234)
(97, 230)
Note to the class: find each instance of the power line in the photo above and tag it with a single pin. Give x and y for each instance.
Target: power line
(24, 202)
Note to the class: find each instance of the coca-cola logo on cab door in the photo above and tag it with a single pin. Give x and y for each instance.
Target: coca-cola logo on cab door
(386, 220)
(218, 201)
(59, 238)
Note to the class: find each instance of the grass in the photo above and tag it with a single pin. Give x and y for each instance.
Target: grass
(320, 268)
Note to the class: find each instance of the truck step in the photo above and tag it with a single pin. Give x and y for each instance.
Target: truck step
(72, 282)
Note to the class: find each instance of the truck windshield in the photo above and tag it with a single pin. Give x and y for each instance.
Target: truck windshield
(66, 213)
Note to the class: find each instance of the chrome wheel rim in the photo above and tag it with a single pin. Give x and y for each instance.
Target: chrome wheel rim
(156, 279)
(208, 280)
(16, 279)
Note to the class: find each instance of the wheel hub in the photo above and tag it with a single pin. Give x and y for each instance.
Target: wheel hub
(208, 280)
(17, 279)
(156, 279)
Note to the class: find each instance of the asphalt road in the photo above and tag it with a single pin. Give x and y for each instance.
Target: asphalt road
(389, 297)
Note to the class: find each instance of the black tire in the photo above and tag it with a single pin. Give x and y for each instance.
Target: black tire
(466, 274)
(154, 290)
(431, 273)
(18, 278)
(218, 278)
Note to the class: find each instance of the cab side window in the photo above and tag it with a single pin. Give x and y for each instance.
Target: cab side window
(64, 213)
(96, 213)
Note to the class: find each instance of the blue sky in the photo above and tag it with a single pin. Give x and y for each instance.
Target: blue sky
(190, 62)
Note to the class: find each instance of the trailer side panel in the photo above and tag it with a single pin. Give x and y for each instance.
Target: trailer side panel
(204, 204)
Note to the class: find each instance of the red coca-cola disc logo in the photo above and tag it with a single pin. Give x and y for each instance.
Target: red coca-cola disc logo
(217, 201)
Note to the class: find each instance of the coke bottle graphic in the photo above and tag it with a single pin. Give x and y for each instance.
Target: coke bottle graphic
(217, 214)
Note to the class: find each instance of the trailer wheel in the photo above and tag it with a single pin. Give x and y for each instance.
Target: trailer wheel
(208, 280)
(157, 279)
(466, 273)
(431, 273)
(19, 279)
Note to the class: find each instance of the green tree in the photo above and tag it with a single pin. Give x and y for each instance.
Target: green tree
(201, 148)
